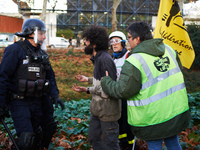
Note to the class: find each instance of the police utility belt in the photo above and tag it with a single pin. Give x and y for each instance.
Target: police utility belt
(31, 88)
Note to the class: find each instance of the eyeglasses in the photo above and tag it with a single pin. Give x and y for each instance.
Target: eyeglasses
(115, 41)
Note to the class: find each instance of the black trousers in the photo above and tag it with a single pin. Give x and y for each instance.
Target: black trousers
(103, 135)
(126, 137)
(33, 114)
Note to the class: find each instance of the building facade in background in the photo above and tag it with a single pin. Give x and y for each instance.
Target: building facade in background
(78, 14)
(8, 26)
(82, 13)
(10, 21)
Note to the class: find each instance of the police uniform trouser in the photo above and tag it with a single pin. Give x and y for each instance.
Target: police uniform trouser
(48, 124)
(27, 115)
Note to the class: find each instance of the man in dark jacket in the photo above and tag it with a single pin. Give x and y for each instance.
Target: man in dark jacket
(152, 81)
(105, 111)
(26, 74)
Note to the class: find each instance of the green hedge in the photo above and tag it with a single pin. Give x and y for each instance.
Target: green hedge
(194, 33)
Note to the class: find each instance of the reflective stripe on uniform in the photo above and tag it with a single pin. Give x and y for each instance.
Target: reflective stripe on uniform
(151, 81)
(131, 142)
(156, 97)
(162, 83)
(121, 136)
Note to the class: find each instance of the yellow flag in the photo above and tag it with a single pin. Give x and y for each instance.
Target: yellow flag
(170, 27)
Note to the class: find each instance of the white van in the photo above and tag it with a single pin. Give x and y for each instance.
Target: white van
(5, 43)
(58, 42)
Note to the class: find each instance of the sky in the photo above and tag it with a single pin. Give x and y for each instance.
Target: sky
(8, 6)
(61, 4)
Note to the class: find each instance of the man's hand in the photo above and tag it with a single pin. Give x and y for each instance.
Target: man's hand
(81, 78)
(4, 112)
(78, 88)
(57, 101)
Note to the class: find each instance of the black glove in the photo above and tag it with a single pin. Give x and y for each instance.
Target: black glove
(57, 101)
(4, 112)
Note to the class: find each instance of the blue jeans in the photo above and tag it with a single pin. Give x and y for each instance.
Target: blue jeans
(172, 143)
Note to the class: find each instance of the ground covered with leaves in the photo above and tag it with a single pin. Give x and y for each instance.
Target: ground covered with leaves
(73, 123)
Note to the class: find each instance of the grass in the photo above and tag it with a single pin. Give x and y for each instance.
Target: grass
(66, 64)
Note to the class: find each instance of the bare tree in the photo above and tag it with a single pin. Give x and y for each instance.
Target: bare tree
(43, 15)
(114, 10)
(54, 5)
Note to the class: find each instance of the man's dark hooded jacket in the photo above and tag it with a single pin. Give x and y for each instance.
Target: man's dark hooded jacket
(105, 108)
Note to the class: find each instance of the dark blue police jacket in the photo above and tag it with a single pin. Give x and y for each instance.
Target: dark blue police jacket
(13, 56)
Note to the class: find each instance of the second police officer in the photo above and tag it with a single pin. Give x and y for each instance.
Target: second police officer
(26, 74)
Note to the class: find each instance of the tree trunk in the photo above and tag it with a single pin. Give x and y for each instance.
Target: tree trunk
(43, 15)
(114, 18)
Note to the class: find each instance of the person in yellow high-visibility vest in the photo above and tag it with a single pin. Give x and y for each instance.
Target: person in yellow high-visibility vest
(152, 81)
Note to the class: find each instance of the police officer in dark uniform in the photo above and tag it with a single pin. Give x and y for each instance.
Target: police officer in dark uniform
(27, 78)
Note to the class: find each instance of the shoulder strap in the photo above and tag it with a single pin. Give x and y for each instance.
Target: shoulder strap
(24, 46)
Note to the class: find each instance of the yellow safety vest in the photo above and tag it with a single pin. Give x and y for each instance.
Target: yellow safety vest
(163, 94)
